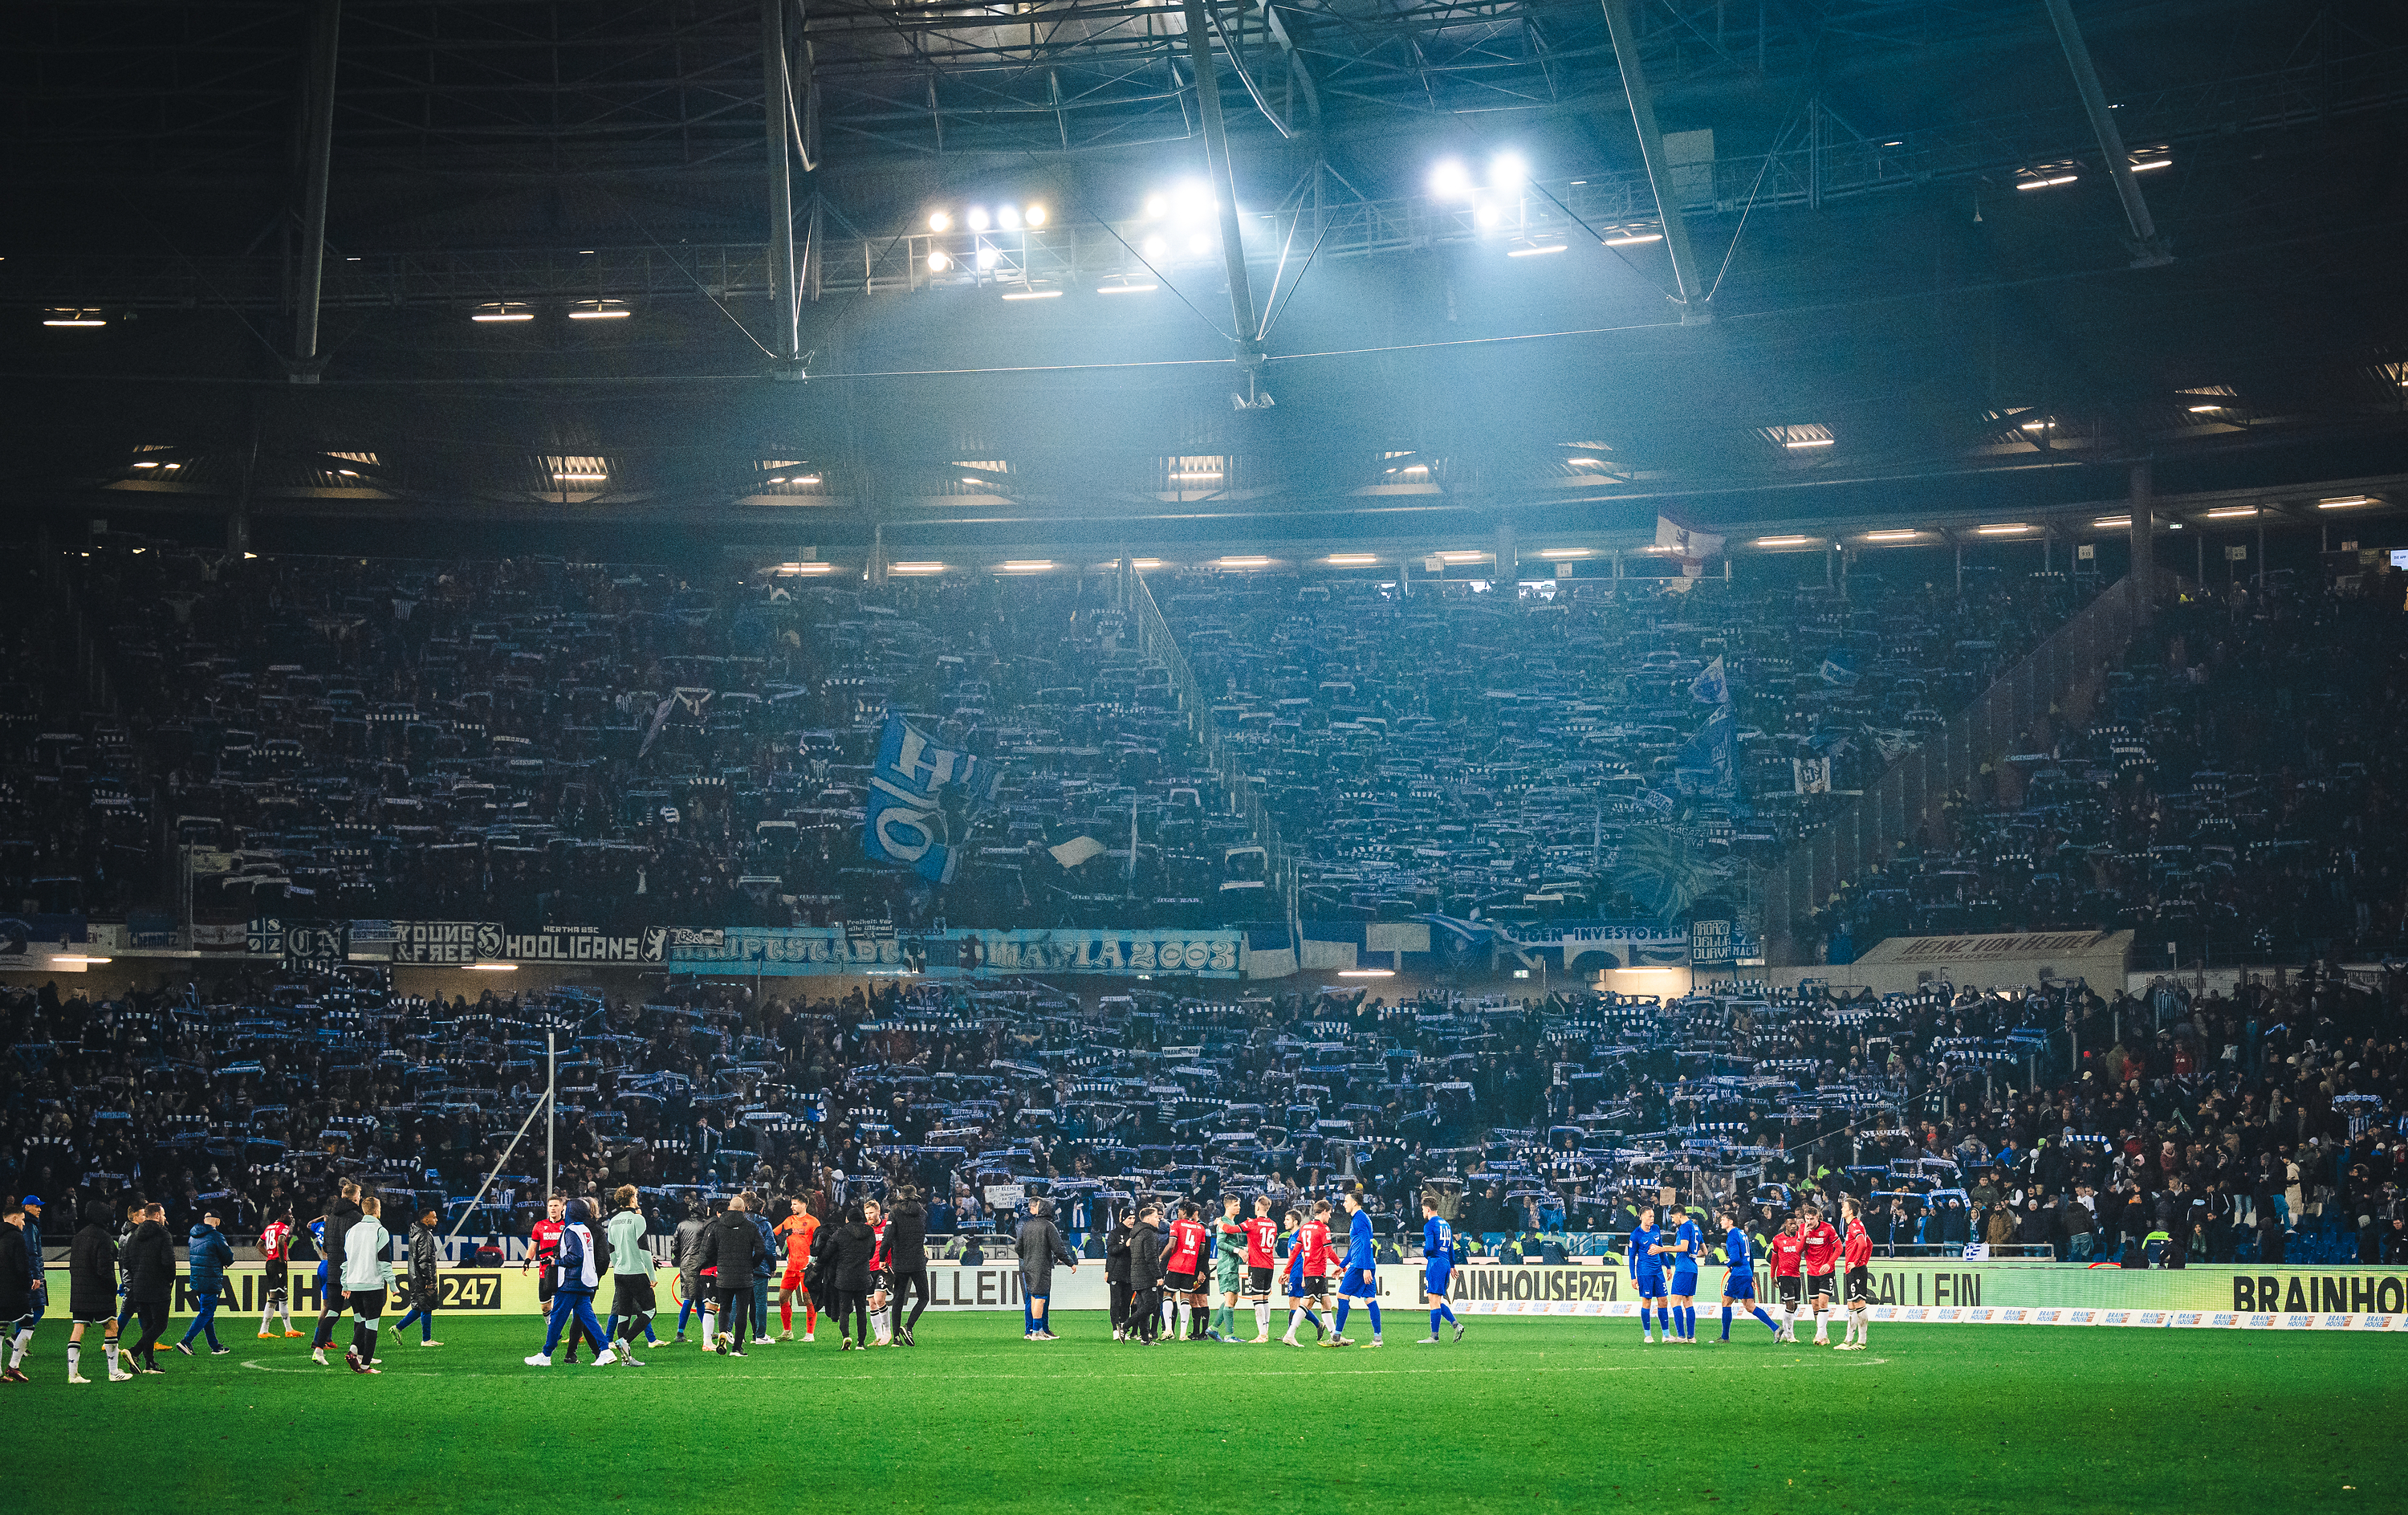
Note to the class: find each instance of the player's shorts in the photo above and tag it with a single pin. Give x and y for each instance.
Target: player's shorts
(1738, 1286)
(631, 1293)
(1351, 1283)
(543, 1285)
(1178, 1283)
(1315, 1286)
(274, 1279)
(1228, 1275)
(1819, 1285)
(1791, 1288)
(791, 1279)
(1434, 1276)
(107, 1314)
(367, 1303)
(1649, 1285)
(1860, 1285)
(1259, 1281)
(1684, 1285)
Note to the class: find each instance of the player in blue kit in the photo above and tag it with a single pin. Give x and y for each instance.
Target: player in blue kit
(1687, 1244)
(1647, 1271)
(1359, 1277)
(1438, 1265)
(1738, 1286)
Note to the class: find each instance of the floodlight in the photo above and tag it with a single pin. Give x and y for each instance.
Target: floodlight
(2344, 502)
(939, 262)
(1507, 171)
(1782, 542)
(939, 222)
(1156, 207)
(1155, 246)
(1560, 554)
(986, 256)
(1485, 215)
(1634, 239)
(1352, 559)
(2002, 530)
(2231, 510)
(1008, 218)
(1450, 180)
(1199, 244)
(1034, 215)
(1891, 536)
(977, 218)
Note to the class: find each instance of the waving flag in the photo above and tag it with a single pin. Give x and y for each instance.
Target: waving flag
(921, 796)
(1840, 669)
(1711, 687)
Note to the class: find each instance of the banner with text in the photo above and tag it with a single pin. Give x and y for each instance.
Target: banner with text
(804, 950)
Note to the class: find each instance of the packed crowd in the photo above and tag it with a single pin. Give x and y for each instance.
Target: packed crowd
(2236, 794)
(535, 743)
(2254, 1126)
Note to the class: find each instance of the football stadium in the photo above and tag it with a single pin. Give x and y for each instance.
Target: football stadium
(700, 699)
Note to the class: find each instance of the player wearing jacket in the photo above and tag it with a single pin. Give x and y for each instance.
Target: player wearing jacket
(341, 1217)
(368, 1282)
(92, 1292)
(426, 1276)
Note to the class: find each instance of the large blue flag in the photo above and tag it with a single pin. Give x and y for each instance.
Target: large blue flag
(919, 794)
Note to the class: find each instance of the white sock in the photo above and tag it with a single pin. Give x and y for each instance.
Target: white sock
(1262, 1320)
(17, 1345)
(1862, 1320)
(109, 1348)
(1295, 1319)
(75, 1358)
(710, 1326)
(1822, 1328)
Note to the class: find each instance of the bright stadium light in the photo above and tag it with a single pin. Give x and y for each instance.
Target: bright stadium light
(1034, 215)
(1891, 536)
(1782, 542)
(1155, 246)
(1366, 972)
(1008, 218)
(1199, 244)
(1487, 215)
(916, 567)
(1036, 565)
(939, 222)
(1450, 180)
(2004, 529)
(986, 256)
(2344, 502)
(1558, 554)
(1156, 207)
(2112, 523)
(939, 262)
(599, 311)
(1811, 442)
(72, 318)
(977, 218)
(1352, 559)
(2204, 409)
(2229, 512)
(502, 310)
(1245, 562)
(1508, 172)
(1462, 557)
(1633, 238)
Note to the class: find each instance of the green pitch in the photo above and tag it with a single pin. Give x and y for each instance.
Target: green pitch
(1525, 1416)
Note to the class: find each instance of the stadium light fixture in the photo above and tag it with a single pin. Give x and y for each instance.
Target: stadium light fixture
(2204, 409)
(1633, 238)
(2230, 511)
(2036, 426)
(1198, 473)
(2003, 529)
(1366, 972)
(1463, 558)
(2112, 523)
(916, 567)
(502, 310)
(1352, 559)
(78, 961)
(939, 262)
(1156, 207)
(1145, 562)
(976, 218)
(1508, 171)
(986, 256)
(146, 465)
(599, 311)
(1029, 565)
(939, 222)
(1782, 542)
(578, 475)
(2344, 502)
(1810, 441)
(1539, 251)
(1155, 246)
(1008, 219)
(1034, 215)
(2153, 163)
(72, 318)
(1559, 554)
(1583, 463)
(1892, 536)
(492, 967)
(1199, 244)
(1245, 562)
(1034, 294)
(2051, 181)
(1146, 288)
(1450, 180)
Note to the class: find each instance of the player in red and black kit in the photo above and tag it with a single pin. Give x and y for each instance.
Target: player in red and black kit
(1788, 1250)
(882, 1273)
(276, 1288)
(1312, 1266)
(543, 1249)
(1262, 1258)
(1183, 1262)
(1856, 1253)
(1822, 1256)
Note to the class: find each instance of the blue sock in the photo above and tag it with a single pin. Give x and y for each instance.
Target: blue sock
(1643, 1322)
(1445, 1309)
(1339, 1328)
(1757, 1310)
(1727, 1319)
(1316, 1321)
(1664, 1319)
(1373, 1306)
(1689, 1321)
(1433, 1324)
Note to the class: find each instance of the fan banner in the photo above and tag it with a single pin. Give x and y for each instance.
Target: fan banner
(920, 800)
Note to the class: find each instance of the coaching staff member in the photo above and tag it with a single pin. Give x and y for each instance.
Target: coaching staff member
(907, 1261)
(149, 1260)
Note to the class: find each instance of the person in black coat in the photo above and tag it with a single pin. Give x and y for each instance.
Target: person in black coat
(731, 1244)
(1117, 1270)
(341, 1217)
(150, 1262)
(16, 1281)
(92, 1290)
(907, 1262)
(1041, 1246)
(850, 1251)
(1145, 1275)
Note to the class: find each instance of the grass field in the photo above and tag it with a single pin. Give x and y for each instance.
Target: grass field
(1528, 1416)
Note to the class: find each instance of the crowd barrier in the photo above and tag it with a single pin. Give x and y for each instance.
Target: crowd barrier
(1937, 1291)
